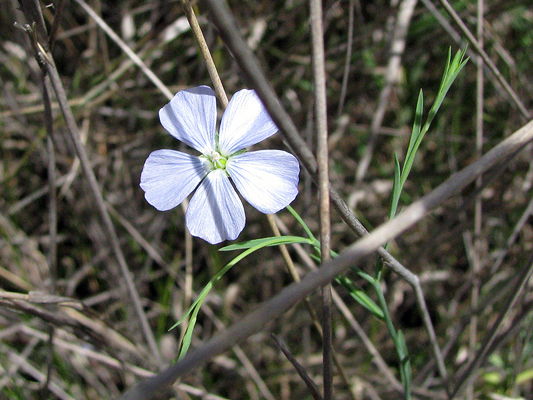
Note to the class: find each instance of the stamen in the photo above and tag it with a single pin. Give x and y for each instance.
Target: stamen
(218, 161)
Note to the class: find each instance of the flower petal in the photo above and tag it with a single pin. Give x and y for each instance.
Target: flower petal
(267, 179)
(244, 123)
(191, 116)
(169, 176)
(215, 212)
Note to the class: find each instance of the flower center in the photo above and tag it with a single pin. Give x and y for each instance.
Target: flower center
(218, 161)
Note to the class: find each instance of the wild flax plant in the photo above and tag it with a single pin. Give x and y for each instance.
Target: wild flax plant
(267, 179)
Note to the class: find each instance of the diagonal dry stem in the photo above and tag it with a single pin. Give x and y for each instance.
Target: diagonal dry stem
(47, 63)
(206, 54)
(311, 386)
(492, 67)
(60, 8)
(126, 49)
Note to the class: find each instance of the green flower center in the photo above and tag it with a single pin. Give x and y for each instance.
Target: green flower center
(217, 161)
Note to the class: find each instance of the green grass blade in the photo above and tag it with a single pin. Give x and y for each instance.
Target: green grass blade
(396, 187)
(267, 242)
(302, 223)
(196, 305)
(360, 296)
(187, 338)
(415, 139)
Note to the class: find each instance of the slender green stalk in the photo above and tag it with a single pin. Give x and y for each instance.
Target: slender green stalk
(452, 69)
(250, 247)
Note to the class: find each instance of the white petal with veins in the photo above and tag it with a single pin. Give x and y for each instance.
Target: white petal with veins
(267, 179)
(191, 116)
(244, 123)
(215, 212)
(169, 176)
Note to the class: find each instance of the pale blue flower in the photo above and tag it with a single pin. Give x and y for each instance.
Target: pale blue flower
(267, 179)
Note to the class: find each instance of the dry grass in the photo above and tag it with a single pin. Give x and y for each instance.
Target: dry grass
(68, 327)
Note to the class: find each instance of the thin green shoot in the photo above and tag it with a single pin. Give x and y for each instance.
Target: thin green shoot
(379, 309)
(451, 71)
(250, 248)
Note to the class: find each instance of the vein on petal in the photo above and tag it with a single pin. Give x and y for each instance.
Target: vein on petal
(191, 117)
(215, 212)
(244, 123)
(267, 179)
(169, 176)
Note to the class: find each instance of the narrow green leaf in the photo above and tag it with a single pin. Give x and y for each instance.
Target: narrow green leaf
(453, 67)
(401, 345)
(187, 338)
(259, 245)
(365, 276)
(396, 187)
(302, 222)
(266, 242)
(450, 73)
(360, 296)
(417, 124)
(414, 141)
(405, 363)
